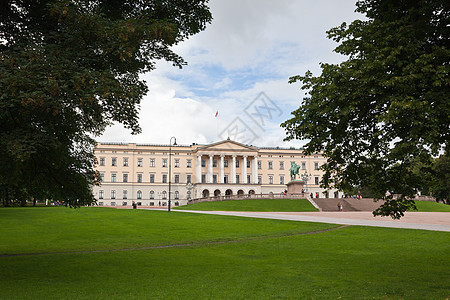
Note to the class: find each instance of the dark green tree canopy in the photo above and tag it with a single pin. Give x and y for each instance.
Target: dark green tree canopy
(68, 68)
(386, 105)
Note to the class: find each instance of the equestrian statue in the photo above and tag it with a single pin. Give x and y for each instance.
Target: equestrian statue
(294, 170)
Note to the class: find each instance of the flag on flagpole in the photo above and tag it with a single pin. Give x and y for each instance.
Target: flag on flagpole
(217, 113)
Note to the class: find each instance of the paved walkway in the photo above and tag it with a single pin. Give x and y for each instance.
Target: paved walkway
(437, 221)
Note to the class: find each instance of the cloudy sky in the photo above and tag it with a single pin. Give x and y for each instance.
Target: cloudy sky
(238, 68)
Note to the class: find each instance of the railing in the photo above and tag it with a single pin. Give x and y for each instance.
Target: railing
(248, 196)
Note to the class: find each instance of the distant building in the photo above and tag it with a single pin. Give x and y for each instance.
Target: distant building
(139, 172)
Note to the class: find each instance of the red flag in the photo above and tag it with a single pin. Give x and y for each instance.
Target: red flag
(217, 113)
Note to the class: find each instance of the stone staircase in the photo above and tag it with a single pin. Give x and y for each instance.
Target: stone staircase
(348, 204)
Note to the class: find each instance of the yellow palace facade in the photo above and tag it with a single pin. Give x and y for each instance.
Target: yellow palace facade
(140, 172)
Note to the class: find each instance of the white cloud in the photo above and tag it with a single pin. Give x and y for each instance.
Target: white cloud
(251, 47)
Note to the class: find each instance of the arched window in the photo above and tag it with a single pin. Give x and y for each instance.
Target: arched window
(177, 195)
(189, 195)
(152, 195)
(139, 194)
(164, 195)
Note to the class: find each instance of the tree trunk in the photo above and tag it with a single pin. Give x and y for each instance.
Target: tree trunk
(6, 202)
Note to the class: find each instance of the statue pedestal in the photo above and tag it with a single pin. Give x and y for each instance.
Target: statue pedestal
(295, 186)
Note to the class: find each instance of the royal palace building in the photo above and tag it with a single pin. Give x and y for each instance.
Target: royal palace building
(140, 172)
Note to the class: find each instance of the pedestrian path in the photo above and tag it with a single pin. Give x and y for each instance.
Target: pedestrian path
(436, 221)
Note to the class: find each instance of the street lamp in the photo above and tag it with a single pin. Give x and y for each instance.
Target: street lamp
(170, 163)
(305, 178)
(189, 187)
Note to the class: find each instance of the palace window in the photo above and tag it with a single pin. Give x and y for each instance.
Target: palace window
(259, 165)
(102, 161)
(152, 178)
(248, 163)
(249, 178)
(237, 163)
(113, 177)
(113, 194)
(177, 178)
(139, 195)
(237, 178)
(259, 179)
(214, 178)
(316, 166)
(125, 177)
(203, 178)
(152, 195)
(152, 162)
(164, 162)
(225, 163)
(164, 178)
(188, 178)
(270, 165)
(303, 165)
(139, 162)
(270, 179)
(281, 165)
(164, 195)
(100, 194)
(316, 180)
(125, 161)
(214, 163)
(189, 163)
(139, 177)
(177, 195)
(102, 177)
(125, 194)
(203, 163)
(177, 163)
(281, 179)
(114, 161)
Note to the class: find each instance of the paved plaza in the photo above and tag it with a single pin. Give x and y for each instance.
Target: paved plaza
(437, 221)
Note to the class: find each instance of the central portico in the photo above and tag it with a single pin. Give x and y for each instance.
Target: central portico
(226, 168)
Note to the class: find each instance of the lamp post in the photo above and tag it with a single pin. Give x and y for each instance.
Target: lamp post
(305, 178)
(170, 163)
(189, 187)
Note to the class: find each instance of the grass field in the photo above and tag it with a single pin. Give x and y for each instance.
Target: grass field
(223, 257)
(253, 205)
(430, 206)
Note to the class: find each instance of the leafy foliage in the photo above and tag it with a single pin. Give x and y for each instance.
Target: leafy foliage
(384, 107)
(440, 178)
(68, 68)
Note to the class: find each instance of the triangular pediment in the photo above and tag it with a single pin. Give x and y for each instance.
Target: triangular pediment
(227, 145)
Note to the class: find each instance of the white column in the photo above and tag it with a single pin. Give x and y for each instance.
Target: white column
(210, 169)
(255, 170)
(199, 168)
(233, 170)
(244, 170)
(221, 169)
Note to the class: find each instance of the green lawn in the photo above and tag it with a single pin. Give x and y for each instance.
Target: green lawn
(264, 259)
(253, 205)
(430, 206)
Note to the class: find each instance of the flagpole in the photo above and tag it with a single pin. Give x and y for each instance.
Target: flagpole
(217, 123)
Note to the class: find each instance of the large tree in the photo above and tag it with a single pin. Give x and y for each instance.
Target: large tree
(68, 68)
(386, 106)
